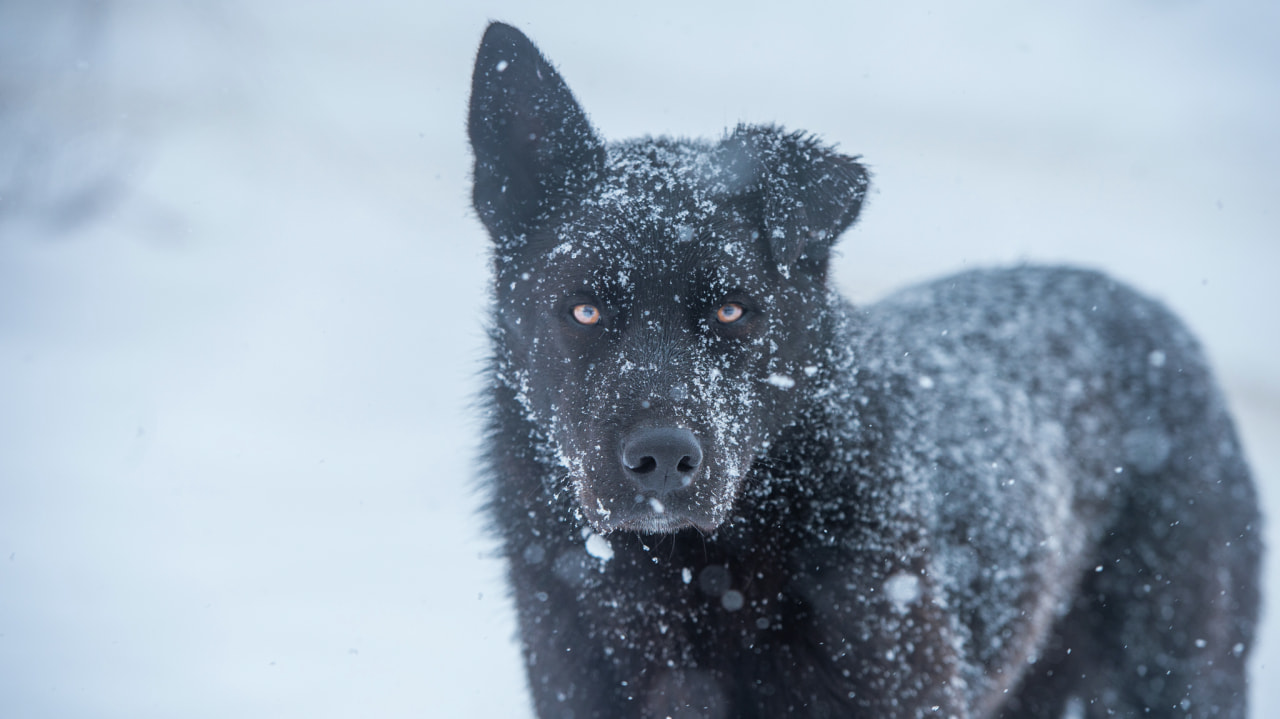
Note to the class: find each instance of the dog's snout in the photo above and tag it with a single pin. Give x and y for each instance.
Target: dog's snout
(661, 459)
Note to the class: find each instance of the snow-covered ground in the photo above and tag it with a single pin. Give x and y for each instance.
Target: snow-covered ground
(242, 293)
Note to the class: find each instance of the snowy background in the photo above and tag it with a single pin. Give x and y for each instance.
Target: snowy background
(242, 292)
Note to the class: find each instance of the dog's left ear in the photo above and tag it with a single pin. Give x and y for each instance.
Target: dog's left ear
(808, 193)
(533, 145)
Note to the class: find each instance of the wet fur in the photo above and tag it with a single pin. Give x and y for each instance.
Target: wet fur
(1007, 493)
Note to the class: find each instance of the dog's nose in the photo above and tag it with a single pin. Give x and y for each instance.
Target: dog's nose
(661, 459)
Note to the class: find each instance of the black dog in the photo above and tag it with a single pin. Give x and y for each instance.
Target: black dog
(724, 492)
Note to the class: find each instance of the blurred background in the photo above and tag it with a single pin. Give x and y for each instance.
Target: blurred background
(242, 292)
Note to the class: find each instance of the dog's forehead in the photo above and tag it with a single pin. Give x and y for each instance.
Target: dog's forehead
(665, 253)
(695, 175)
(663, 209)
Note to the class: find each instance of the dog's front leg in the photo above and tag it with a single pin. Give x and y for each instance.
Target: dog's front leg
(879, 640)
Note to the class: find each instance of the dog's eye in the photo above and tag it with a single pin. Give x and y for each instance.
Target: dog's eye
(585, 314)
(730, 312)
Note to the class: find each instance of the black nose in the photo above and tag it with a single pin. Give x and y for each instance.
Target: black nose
(661, 459)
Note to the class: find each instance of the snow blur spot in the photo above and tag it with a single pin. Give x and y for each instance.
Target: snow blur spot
(1238, 649)
(732, 600)
(658, 508)
(502, 65)
(686, 575)
(1074, 709)
(1156, 358)
(1147, 448)
(810, 371)
(903, 590)
(714, 580)
(781, 381)
(926, 382)
(599, 547)
(572, 567)
(1201, 644)
(534, 554)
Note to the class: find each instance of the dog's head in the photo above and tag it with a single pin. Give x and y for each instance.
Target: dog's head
(660, 305)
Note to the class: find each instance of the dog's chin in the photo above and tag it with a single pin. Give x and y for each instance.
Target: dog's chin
(665, 524)
(652, 522)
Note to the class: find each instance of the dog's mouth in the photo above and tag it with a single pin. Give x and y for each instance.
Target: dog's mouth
(654, 517)
(662, 524)
(609, 507)
(612, 503)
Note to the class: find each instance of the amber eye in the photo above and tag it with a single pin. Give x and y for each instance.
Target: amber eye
(586, 314)
(730, 312)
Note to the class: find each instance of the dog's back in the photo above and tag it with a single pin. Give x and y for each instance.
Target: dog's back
(1083, 474)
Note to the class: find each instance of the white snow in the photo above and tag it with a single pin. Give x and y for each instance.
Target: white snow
(599, 547)
(903, 590)
(236, 421)
(781, 381)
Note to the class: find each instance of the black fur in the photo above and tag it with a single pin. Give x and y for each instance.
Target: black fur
(1008, 493)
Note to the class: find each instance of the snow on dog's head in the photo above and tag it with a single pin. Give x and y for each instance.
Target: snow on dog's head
(655, 299)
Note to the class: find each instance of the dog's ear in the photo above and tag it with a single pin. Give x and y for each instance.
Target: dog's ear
(533, 145)
(806, 193)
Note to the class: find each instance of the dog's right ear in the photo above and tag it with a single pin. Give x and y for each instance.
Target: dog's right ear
(806, 192)
(533, 145)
